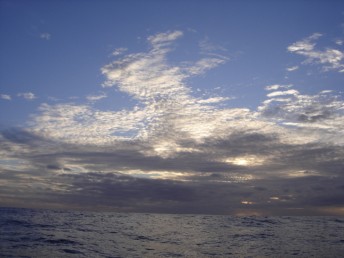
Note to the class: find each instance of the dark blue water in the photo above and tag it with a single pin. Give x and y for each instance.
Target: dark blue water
(48, 233)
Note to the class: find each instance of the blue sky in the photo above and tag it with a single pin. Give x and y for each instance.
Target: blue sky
(239, 99)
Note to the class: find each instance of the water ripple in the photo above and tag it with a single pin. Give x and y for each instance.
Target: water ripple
(31, 233)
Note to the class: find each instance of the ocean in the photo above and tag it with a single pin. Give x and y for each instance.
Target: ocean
(52, 233)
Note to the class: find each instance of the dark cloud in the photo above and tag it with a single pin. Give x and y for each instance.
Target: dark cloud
(46, 154)
(208, 185)
(19, 136)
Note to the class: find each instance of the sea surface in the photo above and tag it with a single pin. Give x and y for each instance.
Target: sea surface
(51, 233)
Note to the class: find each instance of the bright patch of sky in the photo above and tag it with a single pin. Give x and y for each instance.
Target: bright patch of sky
(205, 92)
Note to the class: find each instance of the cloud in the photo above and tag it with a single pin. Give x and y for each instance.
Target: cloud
(277, 87)
(144, 75)
(283, 93)
(216, 193)
(304, 45)
(167, 115)
(329, 58)
(96, 97)
(292, 68)
(205, 64)
(213, 100)
(339, 42)
(82, 124)
(119, 51)
(164, 39)
(45, 36)
(175, 152)
(5, 96)
(209, 48)
(319, 115)
(88, 174)
(27, 95)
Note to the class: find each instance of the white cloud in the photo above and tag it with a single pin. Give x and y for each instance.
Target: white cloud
(163, 39)
(27, 95)
(325, 91)
(205, 64)
(339, 42)
(84, 125)
(305, 45)
(46, 36)
(5, 96)
(147, 76)
(329, 58)
(119, 51)
(281, 93)
(213, 100)
(293, 68)
(277, 87)
(96, 97)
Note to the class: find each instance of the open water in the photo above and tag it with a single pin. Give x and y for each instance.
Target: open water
(50, 233)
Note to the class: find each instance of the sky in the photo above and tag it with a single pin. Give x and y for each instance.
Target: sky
(209, 107)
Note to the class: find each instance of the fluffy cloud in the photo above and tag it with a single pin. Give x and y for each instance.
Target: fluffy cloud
(330, 58)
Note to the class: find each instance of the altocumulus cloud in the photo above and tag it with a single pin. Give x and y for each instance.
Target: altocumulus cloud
(174, 152)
